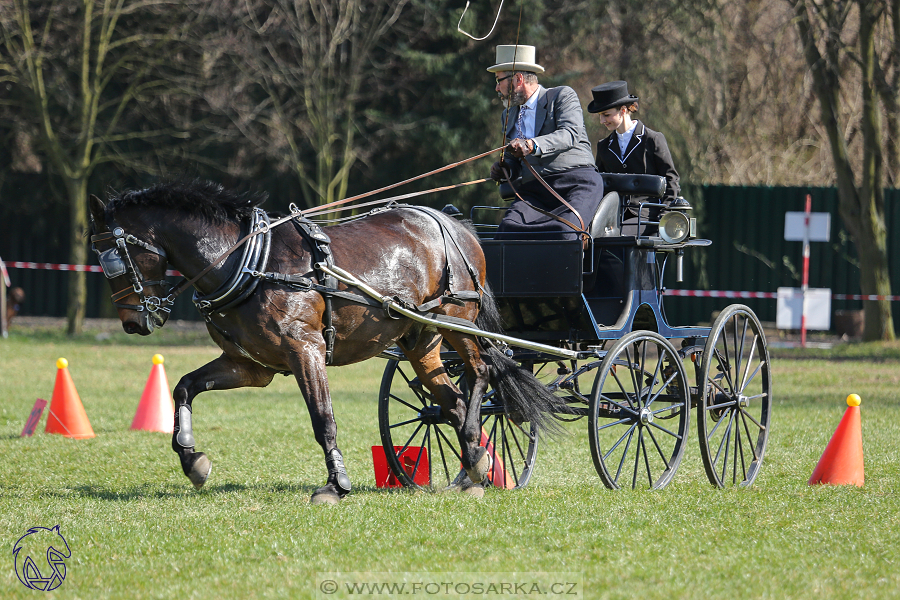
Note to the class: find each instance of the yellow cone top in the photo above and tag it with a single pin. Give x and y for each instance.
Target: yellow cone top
(853, 400)
(158, 359)
(61, 363)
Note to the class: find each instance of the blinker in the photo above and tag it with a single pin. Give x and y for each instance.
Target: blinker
(112, 264)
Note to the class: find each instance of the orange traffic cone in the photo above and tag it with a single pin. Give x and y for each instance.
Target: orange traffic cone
(67, 416)
(842, 461)
(497, 473)
(156, 411)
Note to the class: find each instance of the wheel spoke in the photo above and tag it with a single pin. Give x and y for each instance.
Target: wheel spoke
(658, 449)
(628, 435)
(750, 443)
(637, 458)
(726, 366)
(755, 422)
(407, 404)
(634, 378)
(410, 439)
(613, 424)
(450, 444)
(437, 437)
(744, 381)
(726, 440)
(755, 371)
(722, 405)
(646, 462)
(664, 430)
(402, 423)
(627, 409)
(663, 387)
(416, 389)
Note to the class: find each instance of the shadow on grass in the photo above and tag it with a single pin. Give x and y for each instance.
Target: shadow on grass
(151, 491)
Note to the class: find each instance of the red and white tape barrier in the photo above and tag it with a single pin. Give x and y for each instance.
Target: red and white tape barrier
(55, 267)
(683, 293)
(732, 294)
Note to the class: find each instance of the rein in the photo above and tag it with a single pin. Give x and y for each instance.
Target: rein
(582, 231)
(116, 262)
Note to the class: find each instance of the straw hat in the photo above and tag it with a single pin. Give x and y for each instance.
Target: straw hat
(516, 58)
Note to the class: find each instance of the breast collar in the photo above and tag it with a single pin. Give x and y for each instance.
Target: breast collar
(241, 283)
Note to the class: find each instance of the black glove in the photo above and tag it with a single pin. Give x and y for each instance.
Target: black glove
(513, 167)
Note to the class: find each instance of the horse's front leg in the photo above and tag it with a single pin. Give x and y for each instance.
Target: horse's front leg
(224, 373)
(308, 366)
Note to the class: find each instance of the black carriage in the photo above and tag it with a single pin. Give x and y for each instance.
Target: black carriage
(589, 321)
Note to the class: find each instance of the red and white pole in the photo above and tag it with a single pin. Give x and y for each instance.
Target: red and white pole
(805, 285)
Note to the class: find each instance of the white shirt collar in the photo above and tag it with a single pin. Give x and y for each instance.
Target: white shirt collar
(625, 138)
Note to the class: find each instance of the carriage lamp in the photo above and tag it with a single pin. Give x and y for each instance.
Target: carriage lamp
(674, 227)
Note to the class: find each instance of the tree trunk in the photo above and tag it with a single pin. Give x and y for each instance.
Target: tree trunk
(861, 208)
(872, 243)
(78, 227)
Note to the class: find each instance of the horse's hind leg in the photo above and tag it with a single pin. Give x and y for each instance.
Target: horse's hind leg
(224, 373)
(425, 359)
(478, 374)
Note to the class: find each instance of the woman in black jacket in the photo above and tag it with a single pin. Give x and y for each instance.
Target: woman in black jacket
(631, 147)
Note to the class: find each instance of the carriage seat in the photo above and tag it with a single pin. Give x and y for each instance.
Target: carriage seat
(607, 220)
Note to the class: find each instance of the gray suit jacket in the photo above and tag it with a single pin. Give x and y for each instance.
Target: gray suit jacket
(559, 123)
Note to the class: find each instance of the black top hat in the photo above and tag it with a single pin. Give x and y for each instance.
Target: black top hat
(609, 95)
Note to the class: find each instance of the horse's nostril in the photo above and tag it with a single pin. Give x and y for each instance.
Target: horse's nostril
(131, 327)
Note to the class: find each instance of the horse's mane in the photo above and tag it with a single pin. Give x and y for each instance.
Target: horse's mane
(202, 198)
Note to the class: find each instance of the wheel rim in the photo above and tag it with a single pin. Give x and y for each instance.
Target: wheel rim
(409, 417)
(639, 413)
(733, 416)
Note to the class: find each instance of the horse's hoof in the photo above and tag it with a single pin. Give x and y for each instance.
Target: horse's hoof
(464, 485)
(200, 469)
(481, 467)
(475, 490)
(325, 496)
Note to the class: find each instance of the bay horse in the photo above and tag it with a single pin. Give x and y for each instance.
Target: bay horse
(278, 321)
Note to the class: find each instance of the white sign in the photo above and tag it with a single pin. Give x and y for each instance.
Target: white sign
(790, 308)
(819, 226)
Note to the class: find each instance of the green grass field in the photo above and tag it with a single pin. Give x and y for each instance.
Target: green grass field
(137, 529)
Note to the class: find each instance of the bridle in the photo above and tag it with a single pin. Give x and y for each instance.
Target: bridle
(117, 262)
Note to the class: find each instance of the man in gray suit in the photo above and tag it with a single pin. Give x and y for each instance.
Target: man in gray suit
(544, 127)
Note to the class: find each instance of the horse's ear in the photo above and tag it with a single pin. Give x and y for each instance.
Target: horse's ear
(98, 214)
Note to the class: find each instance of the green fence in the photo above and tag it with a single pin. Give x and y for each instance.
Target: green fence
(749, 253)
(745, 224)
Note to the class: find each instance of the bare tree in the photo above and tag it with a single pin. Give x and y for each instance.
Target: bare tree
(838, 37)
(81, 78)
(306, 69)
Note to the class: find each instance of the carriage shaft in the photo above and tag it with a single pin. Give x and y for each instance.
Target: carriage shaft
(351, 279)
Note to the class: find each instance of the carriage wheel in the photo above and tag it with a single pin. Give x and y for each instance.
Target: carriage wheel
(639, 413)
(409, 417)
(735, 379)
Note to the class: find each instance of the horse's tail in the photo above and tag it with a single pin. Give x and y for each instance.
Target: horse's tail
(525, 397)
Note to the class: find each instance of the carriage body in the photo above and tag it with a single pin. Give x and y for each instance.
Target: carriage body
(628, 379)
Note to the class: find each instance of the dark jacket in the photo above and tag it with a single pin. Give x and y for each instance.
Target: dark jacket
(647, 154)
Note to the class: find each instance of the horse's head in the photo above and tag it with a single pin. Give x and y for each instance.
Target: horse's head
(136, 269)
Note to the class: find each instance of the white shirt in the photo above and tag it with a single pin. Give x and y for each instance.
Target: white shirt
(625, 139)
